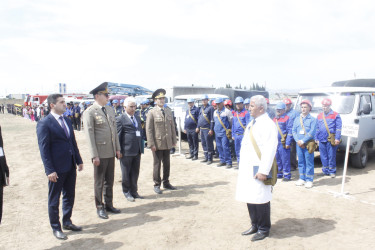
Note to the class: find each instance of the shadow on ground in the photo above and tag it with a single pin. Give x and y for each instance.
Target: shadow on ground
(88, 243)
(303, 228)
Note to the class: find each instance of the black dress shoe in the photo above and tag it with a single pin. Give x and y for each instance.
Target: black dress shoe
(205, 160)
(157, 190)
(209, 162)
(129, 197)
(113, 210)
(228, 166)
(137, 196)
(72, 227)
(102, 214)
(169, 186)
(260, 236)
(189, 157)
(251, 230)
(220, 164)
(194, 158)
(59, 235)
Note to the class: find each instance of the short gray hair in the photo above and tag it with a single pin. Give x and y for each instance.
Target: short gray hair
(128, 100)
(259, 101)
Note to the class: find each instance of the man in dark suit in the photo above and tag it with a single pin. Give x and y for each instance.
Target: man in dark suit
(4, 174)
(60, 155)
(129, 130)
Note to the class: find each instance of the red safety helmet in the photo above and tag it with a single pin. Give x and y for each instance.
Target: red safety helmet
(306, 102)
(287, 101)
(228, 102)
(268, 101)
(213, 103)
(327, 102)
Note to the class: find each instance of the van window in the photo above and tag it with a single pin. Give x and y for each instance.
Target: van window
(342, 103)
(364, 100)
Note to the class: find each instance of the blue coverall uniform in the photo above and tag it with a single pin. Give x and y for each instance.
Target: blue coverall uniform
(222, 141)
(191, 120)
(283, 154)
(205, 125)
(238, 129)
(292, 113)
(118, 110)
(305, 159)
(327, 151)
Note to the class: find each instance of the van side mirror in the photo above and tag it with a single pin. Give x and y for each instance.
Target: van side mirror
(366, 109)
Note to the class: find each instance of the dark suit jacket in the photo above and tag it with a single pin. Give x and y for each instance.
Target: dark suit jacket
(4, 170)
(130, 144)
(57, 151)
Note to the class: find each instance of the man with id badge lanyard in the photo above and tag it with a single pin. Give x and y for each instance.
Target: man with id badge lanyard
(129, 130)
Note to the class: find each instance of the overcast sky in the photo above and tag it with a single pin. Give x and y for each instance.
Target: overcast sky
(283, 44)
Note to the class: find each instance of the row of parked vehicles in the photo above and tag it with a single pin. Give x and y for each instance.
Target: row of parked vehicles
(354, 100)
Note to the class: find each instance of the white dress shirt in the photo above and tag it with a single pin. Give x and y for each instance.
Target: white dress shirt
(57, 117)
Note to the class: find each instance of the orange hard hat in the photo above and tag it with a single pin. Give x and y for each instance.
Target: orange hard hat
(228, 102)
(287, 101)
(306, 102)
(327, 102)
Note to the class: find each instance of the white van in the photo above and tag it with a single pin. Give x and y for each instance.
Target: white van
(180, 105)
(355, 106)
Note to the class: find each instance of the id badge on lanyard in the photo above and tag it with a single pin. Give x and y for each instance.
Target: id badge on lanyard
(137, 133)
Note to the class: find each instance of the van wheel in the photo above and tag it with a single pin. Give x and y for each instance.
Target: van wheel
(359, 159)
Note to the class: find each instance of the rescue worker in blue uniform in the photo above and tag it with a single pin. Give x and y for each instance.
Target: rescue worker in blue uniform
(292, 113)
(304, 129)
(118, 109)
(229, 105)
(191, 121)
(241, 118)
(284, 126)
(206, 128)
(222, 120)
(246, 103)
(145, 107)
(328, 120)
(68, 111)
(77, 116)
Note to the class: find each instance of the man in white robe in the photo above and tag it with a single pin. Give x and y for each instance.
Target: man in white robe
(250, 186)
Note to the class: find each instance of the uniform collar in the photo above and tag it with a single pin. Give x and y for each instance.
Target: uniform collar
(329, 113)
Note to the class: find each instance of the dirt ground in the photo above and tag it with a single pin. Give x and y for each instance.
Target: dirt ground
(201, 214)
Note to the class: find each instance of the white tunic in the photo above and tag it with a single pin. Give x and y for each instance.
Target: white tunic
(252, 190)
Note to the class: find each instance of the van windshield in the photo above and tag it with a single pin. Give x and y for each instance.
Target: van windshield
(342, 103)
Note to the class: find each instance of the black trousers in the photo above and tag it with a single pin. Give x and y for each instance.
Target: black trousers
(130, 172)
(159, 157)
(192, 137)
(104, 175)
(260, 216)
(66, 183)
(1, 201)
(77, 123)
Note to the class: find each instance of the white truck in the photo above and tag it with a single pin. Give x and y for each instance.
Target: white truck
(355, 104)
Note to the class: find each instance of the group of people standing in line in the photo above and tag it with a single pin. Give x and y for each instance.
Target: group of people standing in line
(299, 133)
(258, 139)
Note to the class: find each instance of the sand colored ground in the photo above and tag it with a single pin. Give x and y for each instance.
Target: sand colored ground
(201, 214)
